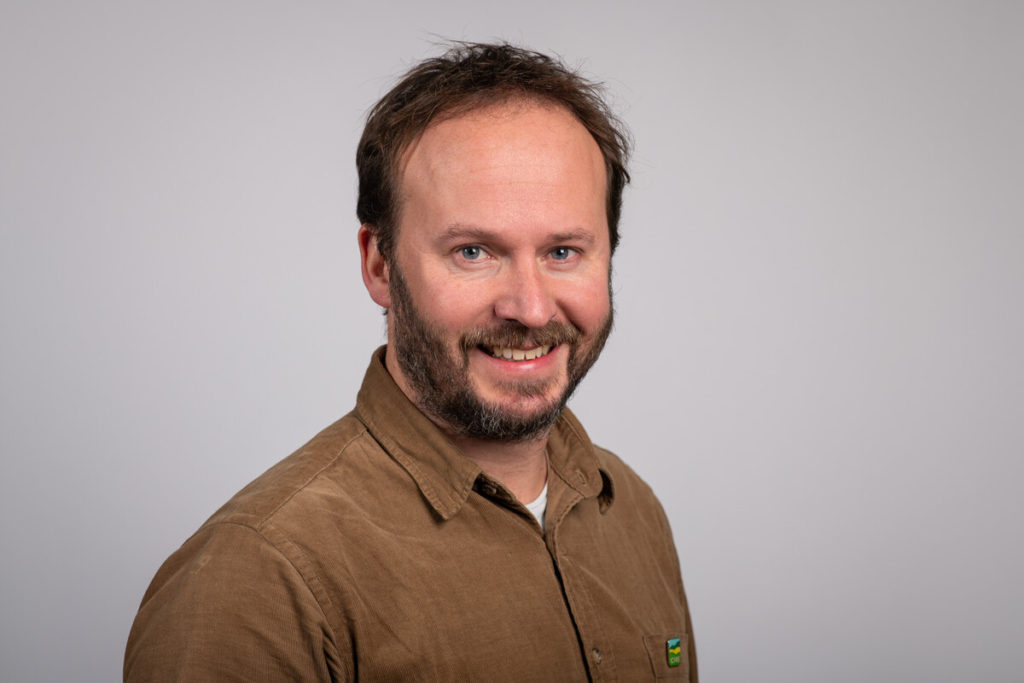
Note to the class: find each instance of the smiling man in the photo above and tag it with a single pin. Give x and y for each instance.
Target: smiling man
(458, 524)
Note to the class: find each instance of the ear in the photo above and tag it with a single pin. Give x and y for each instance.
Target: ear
(376, 275)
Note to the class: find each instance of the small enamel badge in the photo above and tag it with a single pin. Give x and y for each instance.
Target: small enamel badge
(674, 651)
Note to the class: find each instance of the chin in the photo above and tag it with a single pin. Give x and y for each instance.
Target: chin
(523, 399)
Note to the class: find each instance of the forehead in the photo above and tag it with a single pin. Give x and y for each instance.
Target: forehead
(509, 158)
(503, 128)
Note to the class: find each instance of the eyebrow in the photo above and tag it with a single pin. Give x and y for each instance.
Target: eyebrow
(458, 231)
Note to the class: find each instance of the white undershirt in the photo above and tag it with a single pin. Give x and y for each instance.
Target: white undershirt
(538, 506)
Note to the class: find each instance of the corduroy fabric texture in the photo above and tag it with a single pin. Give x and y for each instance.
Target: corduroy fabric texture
(378, 552)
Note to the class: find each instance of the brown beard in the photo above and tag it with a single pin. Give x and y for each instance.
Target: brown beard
(441, 382)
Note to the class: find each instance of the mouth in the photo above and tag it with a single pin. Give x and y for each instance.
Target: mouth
(516, 355)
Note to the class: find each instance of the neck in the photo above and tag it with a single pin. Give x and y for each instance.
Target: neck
(521, 467)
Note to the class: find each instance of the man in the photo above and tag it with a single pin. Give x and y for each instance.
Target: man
(458, 524)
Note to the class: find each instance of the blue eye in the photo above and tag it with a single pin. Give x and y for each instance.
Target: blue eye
(471, 253)
(561, 253)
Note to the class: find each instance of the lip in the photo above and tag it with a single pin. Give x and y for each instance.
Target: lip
(522, 367)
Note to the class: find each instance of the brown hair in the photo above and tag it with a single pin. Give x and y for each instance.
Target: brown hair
(470, 76)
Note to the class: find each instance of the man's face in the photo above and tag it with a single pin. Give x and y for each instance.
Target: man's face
(499, 281)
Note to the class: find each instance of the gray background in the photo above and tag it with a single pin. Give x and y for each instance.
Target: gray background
(817, 361)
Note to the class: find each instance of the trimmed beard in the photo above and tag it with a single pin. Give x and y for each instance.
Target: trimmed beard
(441, 381)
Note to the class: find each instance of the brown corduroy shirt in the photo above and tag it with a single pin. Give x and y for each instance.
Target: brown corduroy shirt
(379, 552)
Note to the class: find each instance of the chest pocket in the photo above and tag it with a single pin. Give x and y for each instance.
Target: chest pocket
(669, 655)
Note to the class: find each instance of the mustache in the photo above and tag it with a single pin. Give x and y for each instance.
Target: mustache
(517, 335)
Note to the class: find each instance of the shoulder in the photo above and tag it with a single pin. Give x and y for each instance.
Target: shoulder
(330, 466)
(624, 479)
(229, 605)
(246, 586)
(634, 502)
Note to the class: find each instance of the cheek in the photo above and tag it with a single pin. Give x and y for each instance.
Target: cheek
(588, 306)
(455, 305)
(437, 301)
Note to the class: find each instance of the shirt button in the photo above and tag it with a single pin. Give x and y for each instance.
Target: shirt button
(597, 655)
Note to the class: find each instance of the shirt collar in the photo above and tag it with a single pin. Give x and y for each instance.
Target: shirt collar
(445, 476)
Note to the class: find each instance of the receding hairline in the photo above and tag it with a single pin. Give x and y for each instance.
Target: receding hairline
(514, 99)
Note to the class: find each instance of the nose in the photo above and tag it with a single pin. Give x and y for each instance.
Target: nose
(525, 296)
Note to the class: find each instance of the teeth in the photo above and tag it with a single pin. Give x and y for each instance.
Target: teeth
(519, 354)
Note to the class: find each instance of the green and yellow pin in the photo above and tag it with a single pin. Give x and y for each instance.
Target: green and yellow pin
(675, 651)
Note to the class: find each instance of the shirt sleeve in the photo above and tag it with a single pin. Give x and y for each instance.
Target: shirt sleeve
(230, 606)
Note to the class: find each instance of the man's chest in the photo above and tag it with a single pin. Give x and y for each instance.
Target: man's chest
(484, 596)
